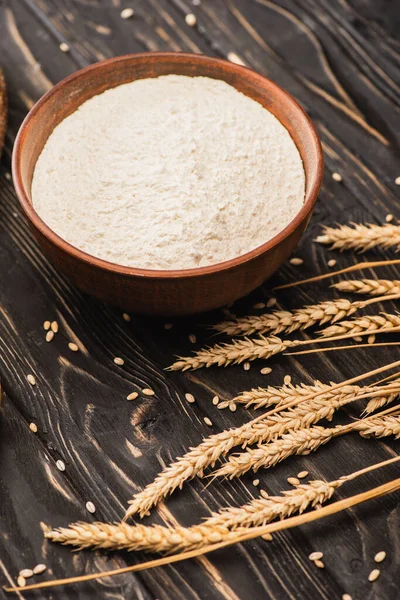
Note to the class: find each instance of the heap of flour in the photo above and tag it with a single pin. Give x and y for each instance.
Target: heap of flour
(169, 173)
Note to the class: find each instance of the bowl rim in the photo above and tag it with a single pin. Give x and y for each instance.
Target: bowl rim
(27, 205)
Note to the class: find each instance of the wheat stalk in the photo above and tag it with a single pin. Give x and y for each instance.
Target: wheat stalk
(371, 287)
(218, 527)
(361, 237)
(210, 449)
(359, 266)
(303, 441)
(239, 537)
(261, 347)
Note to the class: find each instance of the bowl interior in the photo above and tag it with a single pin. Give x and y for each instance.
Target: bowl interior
(69, 94)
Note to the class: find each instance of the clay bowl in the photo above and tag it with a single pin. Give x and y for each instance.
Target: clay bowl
(158, 292)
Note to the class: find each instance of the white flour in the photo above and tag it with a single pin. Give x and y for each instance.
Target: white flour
(169, 173)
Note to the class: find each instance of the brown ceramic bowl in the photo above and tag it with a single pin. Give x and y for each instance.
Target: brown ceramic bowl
(153, 291)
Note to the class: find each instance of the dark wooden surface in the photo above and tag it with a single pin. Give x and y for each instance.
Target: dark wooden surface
(341, 60)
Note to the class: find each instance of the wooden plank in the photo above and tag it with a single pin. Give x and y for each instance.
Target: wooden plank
(346, 77)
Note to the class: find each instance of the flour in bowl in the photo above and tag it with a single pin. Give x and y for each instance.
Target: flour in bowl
(174, 172)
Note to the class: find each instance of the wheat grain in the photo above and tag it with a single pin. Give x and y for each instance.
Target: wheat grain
(238, 537)
(361, 237)
(303, 441)
(380, 556)
(373, 576)
(371, 287)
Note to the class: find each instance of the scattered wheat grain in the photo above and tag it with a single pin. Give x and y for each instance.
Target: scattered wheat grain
(373, 576)
(371, 339)
(31, 379)
(319, 564)
(397, 181)
(26, 573)
(302, 474)
(73, 347)
(132, 396)
(127, 13)
(60, 465)
(192, 338)
(54, 326)
(215, 400)
(266, 371)
(64, 47)
(148, 392)
(33, 427)
(331, 262)
(256, 482)
(119, 361)
(296, 261)
(347, 597)
(90, 507)
(287, 380)
(126, 317)
(49, 335)
(389, 218)
(46, 325)
(357, 339)
(39, 569)
(246, 366)
(337, 177)
(21, 581)
(271, 302)
(380, 557)
(232, 406)
(208, 421)
(316, 555)
(232, 56)
(190, 398)
(190, 20)
(259, 306)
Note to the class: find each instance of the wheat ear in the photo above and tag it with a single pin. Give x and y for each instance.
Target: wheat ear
(207, 453)
(370, 287)
(157, 538)
(265, 397)
(240, 536)
(367, 324)
(299, 319)
(361, 237)
(261, 347)
(266, 508)
(303, 441)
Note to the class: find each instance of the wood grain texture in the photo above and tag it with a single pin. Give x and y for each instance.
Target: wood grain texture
(340, 59)
(3, 109)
